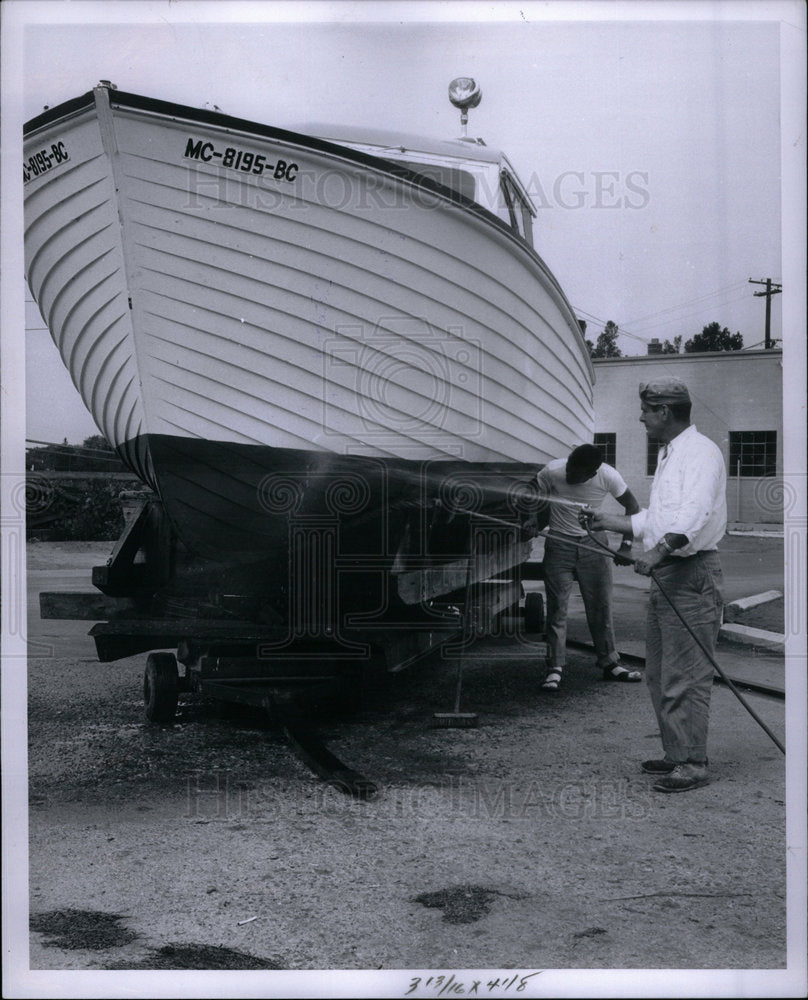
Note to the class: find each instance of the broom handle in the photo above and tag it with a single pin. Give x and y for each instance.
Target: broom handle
(467, 621)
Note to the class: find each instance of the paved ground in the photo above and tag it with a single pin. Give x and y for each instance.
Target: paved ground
(531, 844)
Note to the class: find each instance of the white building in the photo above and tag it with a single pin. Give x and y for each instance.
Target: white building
(737, 402)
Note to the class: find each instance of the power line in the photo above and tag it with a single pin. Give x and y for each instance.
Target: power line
(762, 343)
(697, 312)
(654, 326)
(620, 330)
(688, 302)
(735, 285)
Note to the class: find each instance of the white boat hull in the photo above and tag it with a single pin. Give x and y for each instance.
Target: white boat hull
(317, 307)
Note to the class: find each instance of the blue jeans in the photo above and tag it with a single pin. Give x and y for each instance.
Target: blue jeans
(564, 564)
(678, 674)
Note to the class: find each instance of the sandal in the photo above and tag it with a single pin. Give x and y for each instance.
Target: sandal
(617, 672)
(552, 681)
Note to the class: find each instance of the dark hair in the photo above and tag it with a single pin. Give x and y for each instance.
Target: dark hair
(586, 457)
(679, 411)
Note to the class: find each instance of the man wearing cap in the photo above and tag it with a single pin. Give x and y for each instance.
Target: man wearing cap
(570, 555)
(685, 520)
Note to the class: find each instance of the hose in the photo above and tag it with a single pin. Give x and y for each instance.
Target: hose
(700, 644)
(627, 560)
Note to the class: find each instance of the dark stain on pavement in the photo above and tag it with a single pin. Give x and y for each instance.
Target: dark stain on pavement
(590, 932)
(200, 957)
(462, 904)
(80, 929)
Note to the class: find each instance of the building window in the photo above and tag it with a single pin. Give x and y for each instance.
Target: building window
(752, 453)
(654, 444)
(607, 443)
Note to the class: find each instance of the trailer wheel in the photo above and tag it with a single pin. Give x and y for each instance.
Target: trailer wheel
(534, 613)
(161, 687)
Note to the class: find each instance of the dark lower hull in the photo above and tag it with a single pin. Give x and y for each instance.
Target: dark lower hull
(311, 535)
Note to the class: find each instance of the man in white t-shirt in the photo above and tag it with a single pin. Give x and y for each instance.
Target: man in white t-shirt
(571, 555)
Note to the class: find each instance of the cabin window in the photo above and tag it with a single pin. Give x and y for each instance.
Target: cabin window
(460, 181)
(521, 218)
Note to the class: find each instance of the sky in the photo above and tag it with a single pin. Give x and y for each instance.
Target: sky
(652, 147)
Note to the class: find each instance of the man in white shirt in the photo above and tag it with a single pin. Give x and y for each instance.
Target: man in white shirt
(685, 520)
(570, 554)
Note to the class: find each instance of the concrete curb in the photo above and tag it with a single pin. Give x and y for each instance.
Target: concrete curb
(742, 604)
(756, 533)
(752, 602)
(731, 631)
(749, 636)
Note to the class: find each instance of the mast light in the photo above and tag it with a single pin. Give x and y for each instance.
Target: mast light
(464, 93)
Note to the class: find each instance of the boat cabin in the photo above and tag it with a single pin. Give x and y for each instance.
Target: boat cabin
(466, 165)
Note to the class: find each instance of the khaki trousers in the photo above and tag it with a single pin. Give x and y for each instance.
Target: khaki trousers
(678, 674)
(591, 567)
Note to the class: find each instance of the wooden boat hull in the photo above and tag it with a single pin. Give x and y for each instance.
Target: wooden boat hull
(269, 327)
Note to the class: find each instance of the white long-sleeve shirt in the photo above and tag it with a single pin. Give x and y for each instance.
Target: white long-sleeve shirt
(688, 495)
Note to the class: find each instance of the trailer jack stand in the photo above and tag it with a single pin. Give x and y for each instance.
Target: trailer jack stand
(315, 754)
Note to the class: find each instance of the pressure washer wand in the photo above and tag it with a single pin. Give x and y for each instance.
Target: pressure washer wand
(629, 561)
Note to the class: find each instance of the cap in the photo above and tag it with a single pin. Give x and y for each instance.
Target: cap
(664, 390)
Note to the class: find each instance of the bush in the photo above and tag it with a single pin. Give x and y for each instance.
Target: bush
(87, 510)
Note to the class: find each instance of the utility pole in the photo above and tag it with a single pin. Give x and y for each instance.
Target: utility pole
(772, 288)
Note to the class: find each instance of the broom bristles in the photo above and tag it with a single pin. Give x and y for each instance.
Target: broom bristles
(456, 720)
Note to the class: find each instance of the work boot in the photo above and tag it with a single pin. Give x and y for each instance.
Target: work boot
(684, 777)
(658, 766)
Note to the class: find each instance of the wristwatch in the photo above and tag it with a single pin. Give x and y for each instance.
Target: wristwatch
(663, 543)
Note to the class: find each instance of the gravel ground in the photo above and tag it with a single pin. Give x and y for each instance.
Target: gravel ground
(530, 843)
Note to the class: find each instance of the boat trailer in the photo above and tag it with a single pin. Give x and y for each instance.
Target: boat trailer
(202, 643)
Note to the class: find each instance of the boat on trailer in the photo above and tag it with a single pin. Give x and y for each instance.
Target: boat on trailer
(333, 356)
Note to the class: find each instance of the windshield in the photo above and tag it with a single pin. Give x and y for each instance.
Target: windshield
(452, 177)
(519, 213)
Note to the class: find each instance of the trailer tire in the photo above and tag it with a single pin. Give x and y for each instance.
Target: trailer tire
(534, 613)
(161, 687)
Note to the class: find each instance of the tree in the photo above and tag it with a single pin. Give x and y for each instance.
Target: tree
(714, 338)
(672, 348)
(606, 344)
(96, 442)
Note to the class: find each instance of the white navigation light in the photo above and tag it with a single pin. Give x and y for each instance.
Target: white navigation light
(464, 93)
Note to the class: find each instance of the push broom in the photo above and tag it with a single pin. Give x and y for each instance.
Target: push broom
(458, 719)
